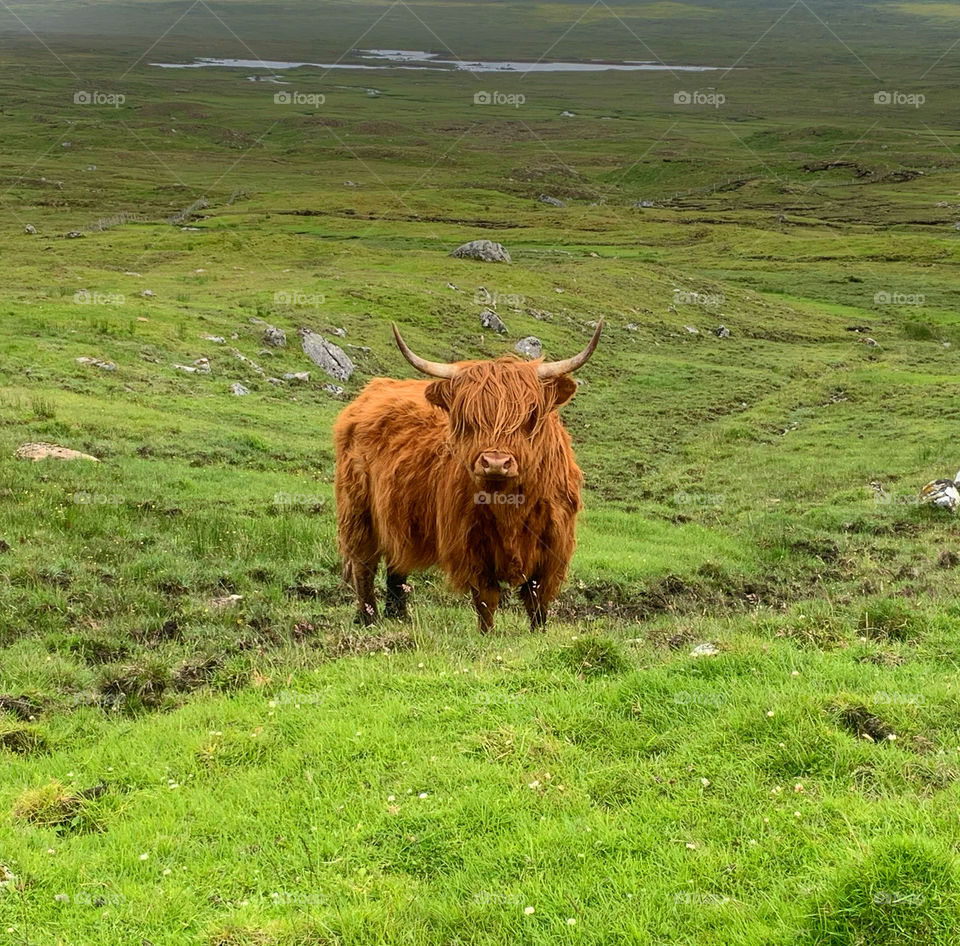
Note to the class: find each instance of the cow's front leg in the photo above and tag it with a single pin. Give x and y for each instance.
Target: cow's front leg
(363, 574)
(396, 604)
(486, 600)
(535, 606)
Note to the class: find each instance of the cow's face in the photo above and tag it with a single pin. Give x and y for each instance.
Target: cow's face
(498, 413)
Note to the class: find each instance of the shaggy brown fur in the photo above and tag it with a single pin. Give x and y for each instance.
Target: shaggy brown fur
(407, 491)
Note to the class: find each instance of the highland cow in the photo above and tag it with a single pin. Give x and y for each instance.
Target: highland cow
(472, 471)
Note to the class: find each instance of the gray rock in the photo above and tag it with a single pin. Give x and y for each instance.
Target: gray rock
(247, 361)
(238, 389)
(74, 235)
(43, 451)
(552, 201)
(490, 319)
(216, 339)
(333, 360)
(632, 327)
(275, 381)
(333, 389)
(566, 114)
(105, 365)
(872, 342)
(721, 331)
(30, 229)
(297, 376)
(643, 204)
(274, 336)
(484, 250)
(148, 293)
(707, 649)
(531, 346)
(691, 330)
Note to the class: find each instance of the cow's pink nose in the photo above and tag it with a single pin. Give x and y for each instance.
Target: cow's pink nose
(495, 463)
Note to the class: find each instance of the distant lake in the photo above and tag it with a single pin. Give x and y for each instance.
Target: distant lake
(420, 59)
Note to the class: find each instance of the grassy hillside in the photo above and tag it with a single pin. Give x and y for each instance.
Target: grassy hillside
(197, 746)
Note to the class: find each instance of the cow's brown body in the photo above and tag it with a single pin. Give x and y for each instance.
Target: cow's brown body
(474, 473)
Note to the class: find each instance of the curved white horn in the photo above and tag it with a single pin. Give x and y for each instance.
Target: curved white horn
(436, 369)
(550, 369)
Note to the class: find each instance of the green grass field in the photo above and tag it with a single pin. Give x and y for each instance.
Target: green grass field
(196, 743)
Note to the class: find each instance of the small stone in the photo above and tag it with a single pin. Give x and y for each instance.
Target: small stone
(489, 319)
(721, 331)
(297, 376)
(225, 601)
(274, 336)
(238, 389)
(531, 346)
(148, 293)
(30, 229)
(551, 201)
(706, 649)
(104, 365)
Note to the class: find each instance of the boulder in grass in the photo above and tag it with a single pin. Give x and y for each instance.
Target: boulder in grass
(274, 336)
(53, 451)
(484, 250)
(238, 389)
(531, 346)
(551, 201)
(333, 360)
(490, 319)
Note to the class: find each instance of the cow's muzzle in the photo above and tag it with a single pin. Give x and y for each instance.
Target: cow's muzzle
(493, 464)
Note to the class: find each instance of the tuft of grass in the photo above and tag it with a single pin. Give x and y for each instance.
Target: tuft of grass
(905, 892)
(592, 657)
(55, 806)
(136, 686)
(862, 723)
(22, 739)
(889, 619)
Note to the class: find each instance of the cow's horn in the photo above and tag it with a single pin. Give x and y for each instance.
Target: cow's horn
(550, 369)
(436, 369)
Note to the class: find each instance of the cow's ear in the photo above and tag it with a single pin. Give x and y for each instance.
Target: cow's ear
(561, 389)
(438, 392)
